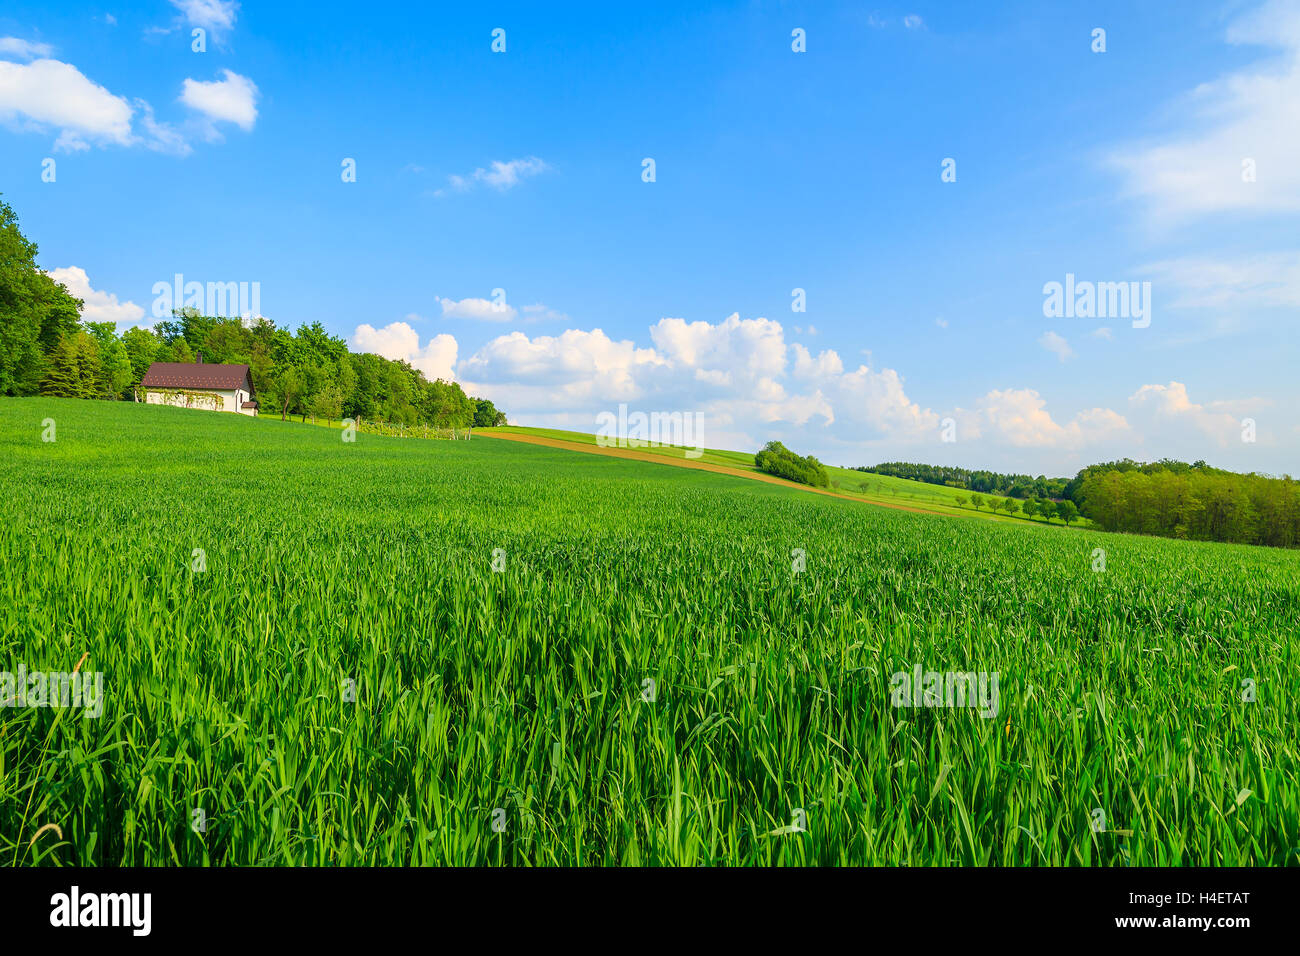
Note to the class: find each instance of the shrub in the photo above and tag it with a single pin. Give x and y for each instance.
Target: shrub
(776, 459)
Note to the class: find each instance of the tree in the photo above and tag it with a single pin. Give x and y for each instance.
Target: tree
(75, 370)
(141, 348)
(960, 499)
(328, 403)
(1067, 511)
(486, 414)
(36, 313)
(776, 459)
(117, 374)
(977, 501)
(288, 385)
(1047, 508)
(1030, 507)
(1010, 505)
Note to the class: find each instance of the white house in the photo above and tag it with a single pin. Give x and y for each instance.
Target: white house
(217, 388)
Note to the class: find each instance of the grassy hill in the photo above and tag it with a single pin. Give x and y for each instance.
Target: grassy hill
(875, 489)
(668, 665)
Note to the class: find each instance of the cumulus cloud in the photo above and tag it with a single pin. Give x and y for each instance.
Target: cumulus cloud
(1168, 408)
(1019, 417)
(501, 176)
(49, 94)
(232, 99)
(751, 385)
(436, 358)
(1057, 345)
(97, 305)
(24, 49)
(1241, 133)
(741, 374)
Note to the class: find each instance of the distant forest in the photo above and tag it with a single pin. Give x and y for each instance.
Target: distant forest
(1167, 498)
(46, 349)
(985, 482)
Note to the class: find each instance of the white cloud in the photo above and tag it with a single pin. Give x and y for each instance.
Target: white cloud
(1057, 345)
(942, 323)
(913, 22)
(232, 99)
(1102, 333)
(50, 93)
(1259, 281)
(1168, 408)
(500, 176)
(749, 384)
(479, 310)
(24, 49)
(215, 16)
(436, 358)
(1252, 114)
(1019, 417)
(543, 313)
(97, 306)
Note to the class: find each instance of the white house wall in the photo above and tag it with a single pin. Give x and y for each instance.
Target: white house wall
(221, 400)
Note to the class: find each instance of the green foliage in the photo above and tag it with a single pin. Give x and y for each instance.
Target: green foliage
(74, 368)
(486, 414)
(371, 562)
(1192, 501)
(35, 312)
(989, 482)
(776, 459)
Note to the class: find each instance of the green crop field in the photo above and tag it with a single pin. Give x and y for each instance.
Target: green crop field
(486, 652)
(879, 489)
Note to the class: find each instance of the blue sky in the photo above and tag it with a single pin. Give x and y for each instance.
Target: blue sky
(775, 170)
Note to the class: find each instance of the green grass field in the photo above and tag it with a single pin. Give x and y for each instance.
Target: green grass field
(878, 489)
(505, 717)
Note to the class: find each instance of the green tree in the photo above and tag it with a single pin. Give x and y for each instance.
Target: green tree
(977, 501)
(117, 374)
(328, 403)
(776, 459)
(1067, 511)
(1047, 508)
(289, 387)
(141, 349)
(36, 313)
(75, 369)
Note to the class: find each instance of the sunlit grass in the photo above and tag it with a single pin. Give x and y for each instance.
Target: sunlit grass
(524, 690)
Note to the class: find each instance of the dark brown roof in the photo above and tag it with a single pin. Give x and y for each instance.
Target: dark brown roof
(194, 375)
(250, 404)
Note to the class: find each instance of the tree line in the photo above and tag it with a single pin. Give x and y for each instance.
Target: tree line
(45, 348)
(984, 482)
(1176, 500)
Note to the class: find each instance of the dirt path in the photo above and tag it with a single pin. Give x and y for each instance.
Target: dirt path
(698, 465)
